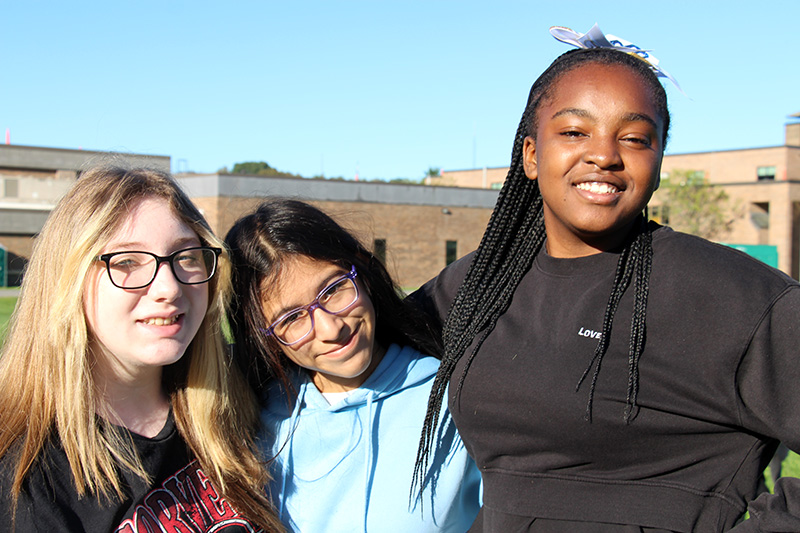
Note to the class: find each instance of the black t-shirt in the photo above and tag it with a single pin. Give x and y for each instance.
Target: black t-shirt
(181, 498)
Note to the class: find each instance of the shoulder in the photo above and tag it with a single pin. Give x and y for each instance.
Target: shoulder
(697, 261)
(450, 278)
(435, 296)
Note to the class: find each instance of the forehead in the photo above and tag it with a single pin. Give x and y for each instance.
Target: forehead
(151, 220)
(603, 88)
(297, 282)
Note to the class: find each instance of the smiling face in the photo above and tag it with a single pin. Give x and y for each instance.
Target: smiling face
(135, 332)
(597, 157)
(339, 353)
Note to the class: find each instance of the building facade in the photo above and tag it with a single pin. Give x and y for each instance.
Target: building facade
(32, 179)
(415, 229)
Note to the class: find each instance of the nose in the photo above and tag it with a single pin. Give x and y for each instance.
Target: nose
(603, 151)
(327, 327)
(165, 286)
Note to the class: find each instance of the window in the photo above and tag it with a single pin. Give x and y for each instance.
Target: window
(766, 173)
(379, 250)
(497, 185)
(450, 252)
(11, 189)
(659, 213)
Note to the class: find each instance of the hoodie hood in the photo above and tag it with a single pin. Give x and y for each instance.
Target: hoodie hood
(399, 369)
(326, 463)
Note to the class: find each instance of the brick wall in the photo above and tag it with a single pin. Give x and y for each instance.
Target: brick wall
(415, 234)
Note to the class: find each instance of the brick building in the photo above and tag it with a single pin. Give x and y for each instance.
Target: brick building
(763, 182)
(417, 229)
(32, 179)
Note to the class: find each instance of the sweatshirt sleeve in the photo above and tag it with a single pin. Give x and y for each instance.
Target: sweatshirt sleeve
(768, 382)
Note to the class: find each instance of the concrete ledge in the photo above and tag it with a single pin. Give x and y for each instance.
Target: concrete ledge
(226, 185)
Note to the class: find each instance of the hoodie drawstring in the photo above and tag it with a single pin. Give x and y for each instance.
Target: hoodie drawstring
(288, 465)
(369, 455)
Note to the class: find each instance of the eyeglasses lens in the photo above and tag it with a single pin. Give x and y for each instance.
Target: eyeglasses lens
(334, 299)
(137, 269)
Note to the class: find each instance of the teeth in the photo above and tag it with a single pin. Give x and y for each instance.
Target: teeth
(597, 188)
(161, 321)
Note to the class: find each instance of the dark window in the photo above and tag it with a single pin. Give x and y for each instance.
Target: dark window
(766, 173)
(379, 250)
(450, 252)
(659, 213)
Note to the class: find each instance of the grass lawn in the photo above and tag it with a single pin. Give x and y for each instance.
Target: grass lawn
(790, 468)
(791, 465)
(6, 308)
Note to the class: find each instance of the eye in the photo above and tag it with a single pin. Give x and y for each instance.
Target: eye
(331, 291)
(573, 133)
(127, 261)
(291, 318)
(188, 258)
(637, 140)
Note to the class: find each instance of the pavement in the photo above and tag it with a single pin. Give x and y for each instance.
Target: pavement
(6, 292)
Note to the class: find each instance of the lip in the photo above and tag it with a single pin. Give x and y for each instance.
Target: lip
(343, 350)
(600, 197)
(163, 323)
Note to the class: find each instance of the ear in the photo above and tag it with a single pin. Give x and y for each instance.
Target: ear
(658, 178)
(529, 158)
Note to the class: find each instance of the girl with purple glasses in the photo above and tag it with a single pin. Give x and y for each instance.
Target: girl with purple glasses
(346, 368)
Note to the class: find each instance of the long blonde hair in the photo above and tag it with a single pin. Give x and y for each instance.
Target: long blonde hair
(46, 386)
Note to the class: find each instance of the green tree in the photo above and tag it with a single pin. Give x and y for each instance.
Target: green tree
(689, 203)
(253, 168)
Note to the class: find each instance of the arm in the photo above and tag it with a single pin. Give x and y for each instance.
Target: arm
(769, 393)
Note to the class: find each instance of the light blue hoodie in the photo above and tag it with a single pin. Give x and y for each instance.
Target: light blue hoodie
(348, 467)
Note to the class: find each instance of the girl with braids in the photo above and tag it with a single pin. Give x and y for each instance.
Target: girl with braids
(607, 373)
(119, 410)
(318, 324)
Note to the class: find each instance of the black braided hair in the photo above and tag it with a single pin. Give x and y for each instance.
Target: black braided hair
(514, 236)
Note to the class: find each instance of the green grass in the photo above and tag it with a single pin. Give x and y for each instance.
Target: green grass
(789, 468)
(6, 308)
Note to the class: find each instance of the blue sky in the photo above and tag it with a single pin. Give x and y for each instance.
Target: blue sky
(385, 89)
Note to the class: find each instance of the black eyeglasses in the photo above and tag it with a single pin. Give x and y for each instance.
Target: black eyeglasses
(136, 270)
(294, 326)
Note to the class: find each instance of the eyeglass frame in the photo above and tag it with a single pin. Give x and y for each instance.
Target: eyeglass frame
(106, 258)
(315, 304)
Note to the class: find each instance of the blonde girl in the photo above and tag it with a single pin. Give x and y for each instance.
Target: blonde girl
(119, 410)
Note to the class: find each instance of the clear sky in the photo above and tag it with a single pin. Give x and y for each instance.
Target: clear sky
(385, 89)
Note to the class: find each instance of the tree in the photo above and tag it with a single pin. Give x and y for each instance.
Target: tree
(253, 168)
(689, 203)
(433, 172)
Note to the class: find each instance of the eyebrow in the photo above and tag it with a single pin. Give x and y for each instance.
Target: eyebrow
(630, 117)
(175, 244)
(323, 286)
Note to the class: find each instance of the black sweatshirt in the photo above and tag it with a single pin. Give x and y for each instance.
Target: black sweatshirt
(180, 499)
(719, 386)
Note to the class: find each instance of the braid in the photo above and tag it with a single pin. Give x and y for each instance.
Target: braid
(512, 239)
(514, 236)
(635, 262)
(622, 278)
(643, 257)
